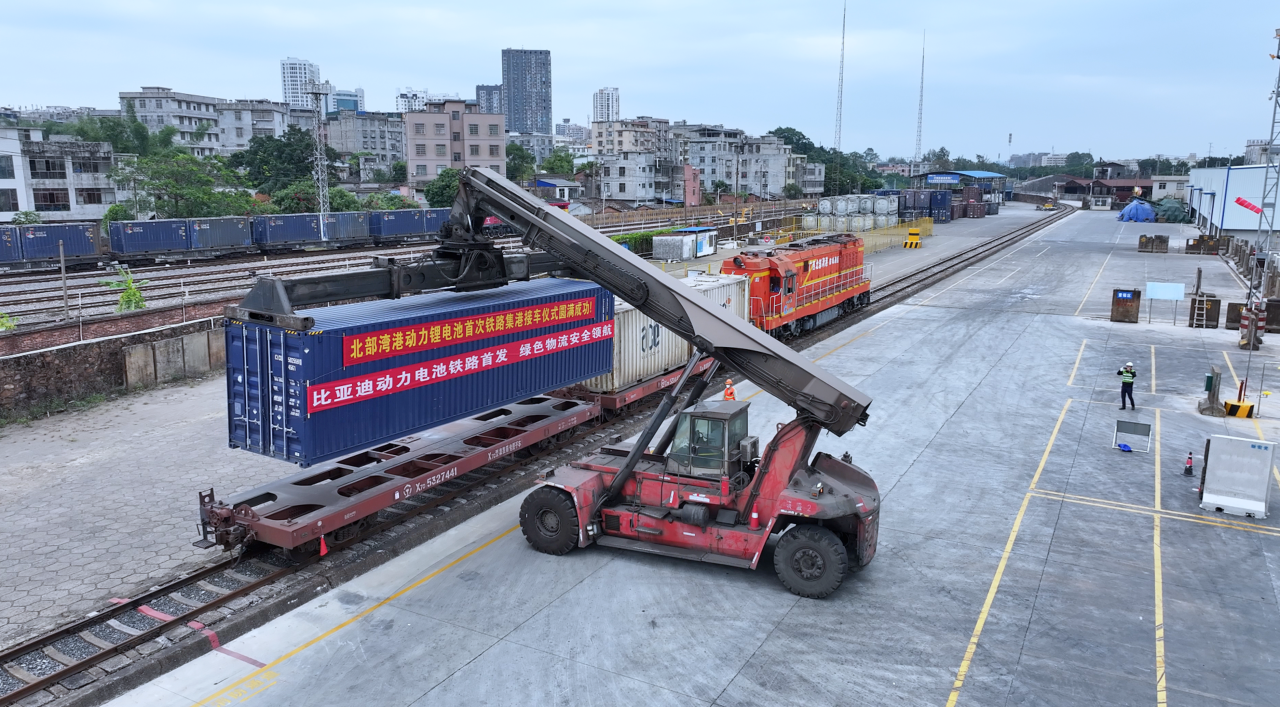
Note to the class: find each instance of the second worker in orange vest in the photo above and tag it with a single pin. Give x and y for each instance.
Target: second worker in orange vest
(729, 392)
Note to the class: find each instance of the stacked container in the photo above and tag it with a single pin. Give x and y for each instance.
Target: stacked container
(826, 205)
(224, 234)
(40, 241)
(372, 372)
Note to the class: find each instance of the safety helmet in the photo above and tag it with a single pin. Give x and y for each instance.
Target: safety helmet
(728, 382)
(1129, 364)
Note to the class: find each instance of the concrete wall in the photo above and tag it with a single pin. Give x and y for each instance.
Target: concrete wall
(45, 336)
(106, 365)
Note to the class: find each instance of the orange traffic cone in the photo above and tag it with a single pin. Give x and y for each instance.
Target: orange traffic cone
(755, 516)
(324, 549)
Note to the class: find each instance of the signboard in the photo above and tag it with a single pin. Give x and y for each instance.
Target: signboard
(326, 396)
(942, 178)
(374, 345)
(1166, 290)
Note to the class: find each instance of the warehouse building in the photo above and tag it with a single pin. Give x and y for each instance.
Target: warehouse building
(991, 183)
(1212, 194)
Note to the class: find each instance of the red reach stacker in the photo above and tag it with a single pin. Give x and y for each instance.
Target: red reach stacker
(703, 490)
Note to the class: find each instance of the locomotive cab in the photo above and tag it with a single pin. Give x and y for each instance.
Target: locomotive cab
(711, 439)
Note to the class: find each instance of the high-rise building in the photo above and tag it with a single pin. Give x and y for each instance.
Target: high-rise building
(295, 74)
(604, 105)
(380, 135)
(452, 134)
(489, 97)
(344, 99)
(526, 90)
(195, 117)
(411, 99)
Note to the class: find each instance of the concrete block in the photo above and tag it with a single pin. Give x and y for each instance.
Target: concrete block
(77, 681)
(195, 353)
(217, 349)
(114, 663)
(168, 353)
(139, 366)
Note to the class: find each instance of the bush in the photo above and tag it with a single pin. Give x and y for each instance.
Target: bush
(23, 218)
(640, 243)
(7, 323)
(117, 212)
(300, 198)
(389, 202)
(130, 296)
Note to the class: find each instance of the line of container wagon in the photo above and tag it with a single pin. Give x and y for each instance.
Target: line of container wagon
(35, 247)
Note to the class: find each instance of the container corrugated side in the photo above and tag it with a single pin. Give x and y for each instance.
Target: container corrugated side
(220, 233)
(306, 398)
(643, 349)
(398, 222)
(347, 226)
(40, 241)
(283, 229)
(434, 219)
(141, 237)
(10, 245)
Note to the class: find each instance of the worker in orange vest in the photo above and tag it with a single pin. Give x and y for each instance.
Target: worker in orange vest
(729, 392)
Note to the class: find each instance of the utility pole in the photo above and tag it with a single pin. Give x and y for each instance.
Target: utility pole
(320, 166)
(1271, 175)
(840, 96)
(920, 105)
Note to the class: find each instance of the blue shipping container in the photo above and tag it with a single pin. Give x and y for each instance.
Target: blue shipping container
(400, 222)
(283, 229)
(10, 246)
(941, 215)
(40, 241)
(940, 198)
(372, 372)
(139, 237)
(222, 233)
(347, 226)
(435, 219)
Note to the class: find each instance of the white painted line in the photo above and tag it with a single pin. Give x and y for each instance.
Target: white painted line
(1006, 277)
(1043, 251)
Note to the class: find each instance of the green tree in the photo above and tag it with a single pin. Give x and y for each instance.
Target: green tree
(184, 186)
(720, 187)
(871, 156)
(589, 167)
(793, 191)
(273, 163)
(116, 212)
(387, 202)
(25, 217)
(940, 158)
(130, 296)
(300, 198)
(800, 144)
(520, 164)
(560, 161)
(399, 173)
(442, 190)
(353, 164)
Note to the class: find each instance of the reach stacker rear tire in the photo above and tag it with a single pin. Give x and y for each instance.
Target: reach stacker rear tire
(549, 520)
(810, 561)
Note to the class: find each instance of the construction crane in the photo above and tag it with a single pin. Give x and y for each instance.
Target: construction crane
(715, 496)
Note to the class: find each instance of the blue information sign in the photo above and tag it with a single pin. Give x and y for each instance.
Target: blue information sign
(942, 178)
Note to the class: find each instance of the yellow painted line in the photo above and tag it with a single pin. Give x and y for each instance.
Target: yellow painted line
(986, 606)
(1161, 694)
(1157, 460)
(850, 341)
(352, 620)
(1090, 291)
(1049, 447)
(1232, 369)
(1164, 512)
(1079, 353)
(1153, 369)
(1151, 511)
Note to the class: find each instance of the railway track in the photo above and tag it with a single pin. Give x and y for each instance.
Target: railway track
(33, 665)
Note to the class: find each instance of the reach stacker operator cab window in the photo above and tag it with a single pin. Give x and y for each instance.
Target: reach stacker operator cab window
(708, 439)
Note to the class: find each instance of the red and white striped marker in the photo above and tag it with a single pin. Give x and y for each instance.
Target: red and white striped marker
(755, 516)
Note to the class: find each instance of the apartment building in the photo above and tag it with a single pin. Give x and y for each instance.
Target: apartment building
(240, 121)
(62, 178)
(526, 90)
(573, 131)
(380, 134)
(295, 75)
(605, 106)
(157, 106)
(453, 134)
(540, 146)
(489, 98)
(345, 99)
(812, 177)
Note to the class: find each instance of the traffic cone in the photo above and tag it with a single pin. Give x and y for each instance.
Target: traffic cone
(324, 549)
(755, 516)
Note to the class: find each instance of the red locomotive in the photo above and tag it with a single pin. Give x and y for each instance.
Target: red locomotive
(801, 286)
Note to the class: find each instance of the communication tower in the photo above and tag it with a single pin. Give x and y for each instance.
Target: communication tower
(920, 105)
(320, 161)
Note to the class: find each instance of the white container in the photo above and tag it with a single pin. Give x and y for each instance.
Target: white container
(824, 205)
(826, 223)
(882, 221)
(865, 203)
(855, 223)
(881, 205)
(680, 247)
(842, 224)
(893, 221)
(842, 206)
(642, 348)
(893, 204)
(809, 222)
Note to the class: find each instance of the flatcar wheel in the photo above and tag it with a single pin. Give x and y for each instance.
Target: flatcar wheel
(305, 551)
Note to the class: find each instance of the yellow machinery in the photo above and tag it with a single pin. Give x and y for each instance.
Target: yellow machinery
(913, 238)
(1047, 206)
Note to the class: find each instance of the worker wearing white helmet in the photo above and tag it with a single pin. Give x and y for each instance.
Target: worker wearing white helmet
(1127, 374)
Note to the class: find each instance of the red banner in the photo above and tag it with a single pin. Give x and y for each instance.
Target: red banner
(326, 396)
(1250, 206)
(375, 345)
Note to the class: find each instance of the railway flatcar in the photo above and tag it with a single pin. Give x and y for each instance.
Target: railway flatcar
(798, 287)
(35, 246)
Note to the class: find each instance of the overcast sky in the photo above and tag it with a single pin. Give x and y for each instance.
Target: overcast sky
(1118, 80)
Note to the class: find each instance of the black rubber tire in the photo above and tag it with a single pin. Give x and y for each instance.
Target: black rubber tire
(810, 561)
(549, 520)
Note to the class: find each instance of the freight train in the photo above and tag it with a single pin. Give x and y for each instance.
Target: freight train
(36, 247)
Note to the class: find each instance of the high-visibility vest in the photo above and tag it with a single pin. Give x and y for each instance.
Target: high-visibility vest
(730, 393)
(1126, 375)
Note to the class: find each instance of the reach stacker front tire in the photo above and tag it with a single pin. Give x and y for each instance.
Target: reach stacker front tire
(549, 520)
(810, 561)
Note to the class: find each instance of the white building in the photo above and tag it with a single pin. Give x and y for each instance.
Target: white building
(62, 179)
(538, 144)
(1253, 151)
(345, 99)
(1054, 160)
(295, 74)
(575, 132)
(1174, 185)
(157, 106)
(605, 106)
(629, 176)
(241, 121)
(1212, 194)
(380, 134)
(411, 99)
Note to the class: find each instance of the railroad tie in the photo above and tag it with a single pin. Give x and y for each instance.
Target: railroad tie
(59, 656)
(95, 641)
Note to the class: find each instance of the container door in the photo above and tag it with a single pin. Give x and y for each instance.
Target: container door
(282, 388)
(244, 387)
